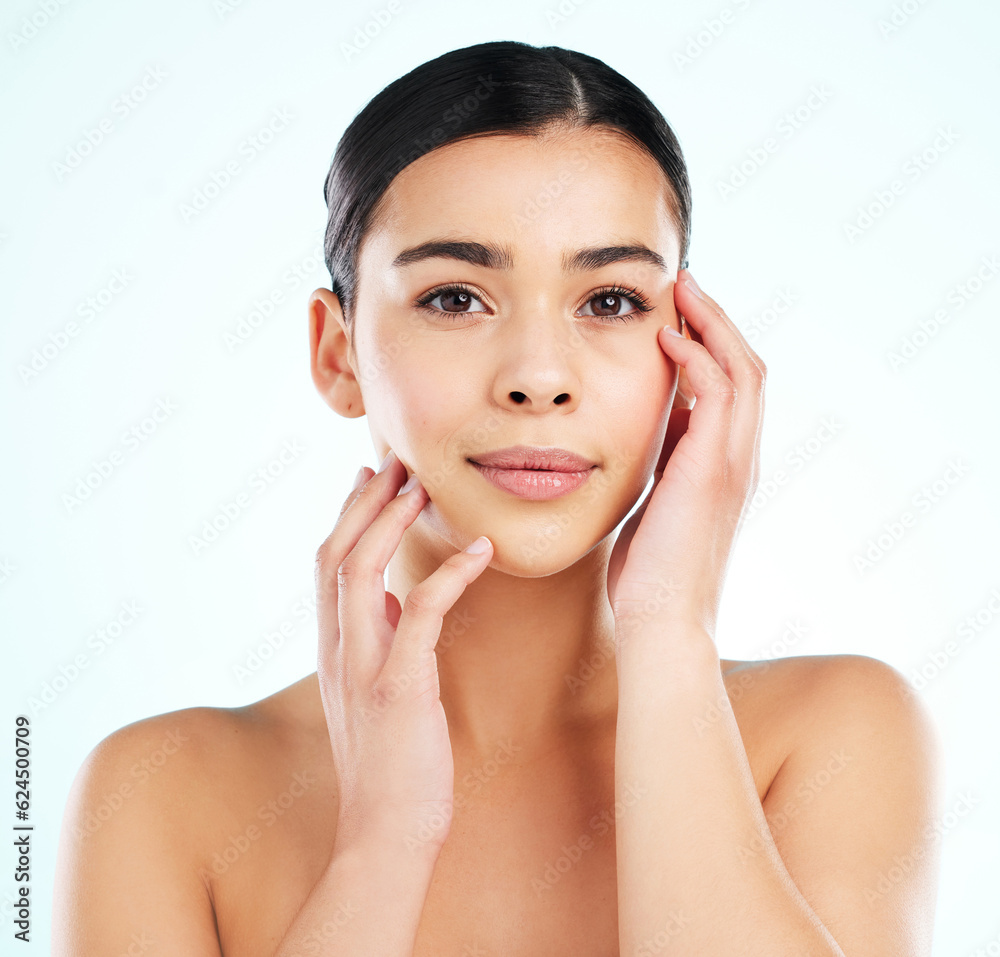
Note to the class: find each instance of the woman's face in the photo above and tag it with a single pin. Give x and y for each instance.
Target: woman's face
(529, 351)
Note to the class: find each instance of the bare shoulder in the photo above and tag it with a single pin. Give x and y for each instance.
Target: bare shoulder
(857, 791)
(147, 807)
(190, 764)
(814, 689)
(804, 703)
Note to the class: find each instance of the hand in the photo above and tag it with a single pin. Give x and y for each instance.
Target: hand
(669, 561)
(377, 669)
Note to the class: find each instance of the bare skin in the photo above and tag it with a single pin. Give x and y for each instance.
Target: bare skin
(238, 768)
(228, 827)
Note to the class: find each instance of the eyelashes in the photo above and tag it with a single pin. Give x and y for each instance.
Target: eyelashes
(641, 305)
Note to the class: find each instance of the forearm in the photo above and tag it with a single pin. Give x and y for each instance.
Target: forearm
(697, 866)
(368, 901)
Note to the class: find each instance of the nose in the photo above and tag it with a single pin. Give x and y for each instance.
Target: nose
(538, 372)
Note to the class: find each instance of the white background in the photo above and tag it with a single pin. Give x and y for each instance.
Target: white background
(215, 75)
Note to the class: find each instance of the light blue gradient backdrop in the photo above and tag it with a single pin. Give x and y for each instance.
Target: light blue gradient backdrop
(216, 79)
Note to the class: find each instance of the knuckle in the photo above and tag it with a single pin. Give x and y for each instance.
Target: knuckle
(726, 392)
(348, 569)
(420, 601)
(325, 556)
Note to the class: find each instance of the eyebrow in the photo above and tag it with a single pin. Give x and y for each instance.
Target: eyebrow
(492, 256)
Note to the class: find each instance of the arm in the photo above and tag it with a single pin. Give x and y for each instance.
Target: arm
(703, 864)
(125, 879)
(699, 869)
(368, 901)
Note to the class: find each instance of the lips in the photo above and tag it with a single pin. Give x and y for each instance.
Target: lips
(531, 457)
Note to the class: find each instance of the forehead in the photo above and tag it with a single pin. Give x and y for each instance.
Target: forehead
(564, 188)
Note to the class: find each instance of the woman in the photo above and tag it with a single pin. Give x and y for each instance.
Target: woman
(528, 744)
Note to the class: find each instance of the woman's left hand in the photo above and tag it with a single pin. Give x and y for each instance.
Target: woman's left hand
(669, 562)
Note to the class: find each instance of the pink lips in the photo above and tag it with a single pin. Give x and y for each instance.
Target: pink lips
(534, 473)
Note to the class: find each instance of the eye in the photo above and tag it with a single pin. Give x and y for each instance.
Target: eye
(458, 296)
(612, 298)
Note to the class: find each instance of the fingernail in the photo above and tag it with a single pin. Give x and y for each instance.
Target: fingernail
(693, 286)
(478, 546)
(358, 479)
(411, 482)
(671, 331)
(385, 462)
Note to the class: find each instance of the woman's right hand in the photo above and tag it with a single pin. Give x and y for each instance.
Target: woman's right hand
(377, 668)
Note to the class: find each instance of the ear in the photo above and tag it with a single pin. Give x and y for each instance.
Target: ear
(684, 396)
(331, 355)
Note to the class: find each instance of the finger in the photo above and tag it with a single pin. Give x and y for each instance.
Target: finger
(356, 514)
(365, 632)
(710, 422)
(424, 609)
(743, 367)
(738, 347)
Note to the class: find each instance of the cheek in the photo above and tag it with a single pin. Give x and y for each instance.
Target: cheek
(638, 403)
(416, 404)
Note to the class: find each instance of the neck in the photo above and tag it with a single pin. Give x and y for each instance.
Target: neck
(527, 660)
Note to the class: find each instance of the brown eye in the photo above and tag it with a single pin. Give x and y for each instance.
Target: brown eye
(461, 301)
(609, 304)
(454, 300)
